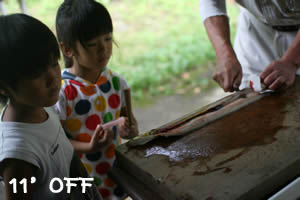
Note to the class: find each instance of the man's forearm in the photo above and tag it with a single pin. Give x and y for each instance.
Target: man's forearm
(292, 54)
(218, 31)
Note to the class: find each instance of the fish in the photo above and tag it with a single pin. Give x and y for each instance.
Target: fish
(205, 115)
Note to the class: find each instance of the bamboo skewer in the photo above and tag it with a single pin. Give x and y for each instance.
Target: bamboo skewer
(128, 105)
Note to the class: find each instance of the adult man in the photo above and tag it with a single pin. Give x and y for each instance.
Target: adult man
(267, 42)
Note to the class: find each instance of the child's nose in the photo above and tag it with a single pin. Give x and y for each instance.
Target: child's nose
(101, 47)
(53, 77)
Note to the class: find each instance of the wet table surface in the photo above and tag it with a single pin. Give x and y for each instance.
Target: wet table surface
(250, 154)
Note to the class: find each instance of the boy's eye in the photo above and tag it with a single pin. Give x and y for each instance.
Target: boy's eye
(108, 38)
(55, 64)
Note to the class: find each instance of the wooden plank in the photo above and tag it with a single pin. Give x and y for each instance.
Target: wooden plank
(249, 154)
(135, 188)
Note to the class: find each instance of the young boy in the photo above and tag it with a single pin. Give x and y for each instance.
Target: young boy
(33, 146)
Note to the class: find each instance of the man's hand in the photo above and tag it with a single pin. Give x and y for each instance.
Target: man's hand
(282, 73)
(228, 74)
(279, 74)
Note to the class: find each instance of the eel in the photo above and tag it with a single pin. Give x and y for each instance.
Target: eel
(201, 117)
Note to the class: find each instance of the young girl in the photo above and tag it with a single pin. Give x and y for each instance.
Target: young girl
(91, 93)
(34, 148)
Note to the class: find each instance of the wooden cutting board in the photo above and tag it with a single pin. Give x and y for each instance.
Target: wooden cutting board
(249, 154)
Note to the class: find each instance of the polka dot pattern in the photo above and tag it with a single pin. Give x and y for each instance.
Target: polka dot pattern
(87, 105)
(92, 122)
(71, 92)
(88, 90)
(105, 87)
(73, 125)
(76, 83)
(83, 137)
(108, 182)
(69, 110)
(82, 107)
(117, 114)
(108, 117)
(116, 83)
(104, 192)
(97, 181)
(119, 192)
(88, 167)
(110, 151)
(102, 168)
(100, 104)
(114, 101)
(94, 156)
(101, 80)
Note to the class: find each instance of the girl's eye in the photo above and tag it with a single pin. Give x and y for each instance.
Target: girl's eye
(108, 38)
(91, 44)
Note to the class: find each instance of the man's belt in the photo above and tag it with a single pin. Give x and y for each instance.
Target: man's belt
(287, 28)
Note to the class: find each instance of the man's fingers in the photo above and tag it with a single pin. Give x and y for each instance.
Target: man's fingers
(278, 83)
(227, 84)
(268, 80)
(219, 79)
(237, 81)
(215, 77)
(267, 71)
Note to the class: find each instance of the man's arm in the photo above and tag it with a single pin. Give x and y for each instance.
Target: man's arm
(229, 72)
(282, 73)
(292, 54)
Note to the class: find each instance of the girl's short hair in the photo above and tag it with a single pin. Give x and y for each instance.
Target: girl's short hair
(81, 20)
(27, 48)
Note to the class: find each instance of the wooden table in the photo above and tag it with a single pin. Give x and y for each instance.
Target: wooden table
(249, 154)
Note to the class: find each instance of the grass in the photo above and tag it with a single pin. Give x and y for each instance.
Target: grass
(163, 48)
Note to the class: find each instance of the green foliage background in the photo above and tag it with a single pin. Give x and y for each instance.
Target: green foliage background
(162, 46)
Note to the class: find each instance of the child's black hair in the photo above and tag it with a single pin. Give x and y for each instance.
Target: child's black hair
(27, 48)
(81, 20)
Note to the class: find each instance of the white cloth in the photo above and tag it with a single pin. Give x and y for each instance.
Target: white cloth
(272, 12)
(212, 8)
(43, 145)
(257, 45)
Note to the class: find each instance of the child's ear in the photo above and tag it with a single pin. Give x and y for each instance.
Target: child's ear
(4, 89)
(3, 92)
(66, 50)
